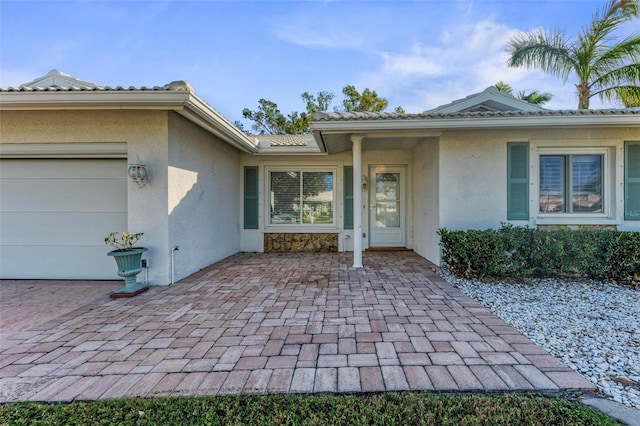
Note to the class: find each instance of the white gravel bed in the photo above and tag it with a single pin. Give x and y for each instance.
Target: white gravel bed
(592, 327)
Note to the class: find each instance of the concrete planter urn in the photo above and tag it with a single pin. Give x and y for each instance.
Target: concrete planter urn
(128, 259)
(128, 262)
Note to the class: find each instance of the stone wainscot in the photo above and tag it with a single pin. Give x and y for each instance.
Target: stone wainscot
(296, 243)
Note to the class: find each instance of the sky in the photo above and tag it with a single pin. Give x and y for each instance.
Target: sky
(416, 54)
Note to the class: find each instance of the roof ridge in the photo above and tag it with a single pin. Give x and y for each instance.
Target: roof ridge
(58, 81)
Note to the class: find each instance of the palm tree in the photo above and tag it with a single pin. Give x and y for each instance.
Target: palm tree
(609, 70)
(535, 97)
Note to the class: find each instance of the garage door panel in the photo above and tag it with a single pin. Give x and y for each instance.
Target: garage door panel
(63, 169)
(57, 262)
(59, 229)
(64, 195)
(54, 215)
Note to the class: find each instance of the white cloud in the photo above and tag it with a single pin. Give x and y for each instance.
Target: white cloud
(324, 40)
(320, 36)
(419, 63)
(464, 60)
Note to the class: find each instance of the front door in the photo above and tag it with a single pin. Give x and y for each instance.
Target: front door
(386, 206)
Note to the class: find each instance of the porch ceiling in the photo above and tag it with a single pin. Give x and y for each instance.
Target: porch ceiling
(339, 142)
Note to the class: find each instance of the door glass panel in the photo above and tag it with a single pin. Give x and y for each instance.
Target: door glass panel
(387, 200)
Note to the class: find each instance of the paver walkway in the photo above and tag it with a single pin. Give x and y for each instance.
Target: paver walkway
(25, 304)
(263, 323)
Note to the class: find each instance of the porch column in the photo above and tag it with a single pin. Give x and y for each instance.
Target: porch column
(356, 140)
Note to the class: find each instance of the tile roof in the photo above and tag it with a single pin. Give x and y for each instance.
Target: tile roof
(286, 140)
(174, 86)
(365, 116)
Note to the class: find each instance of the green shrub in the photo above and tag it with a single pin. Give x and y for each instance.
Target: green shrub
(474, 254)
(623, 258)
(517, 242)
(521, 252)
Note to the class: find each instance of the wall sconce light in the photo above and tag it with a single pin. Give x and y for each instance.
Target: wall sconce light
(365, 183)
(138, 173)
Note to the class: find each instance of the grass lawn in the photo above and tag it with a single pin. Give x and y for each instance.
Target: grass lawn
(377, 409)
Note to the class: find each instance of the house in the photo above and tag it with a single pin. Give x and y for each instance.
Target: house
(358, 181)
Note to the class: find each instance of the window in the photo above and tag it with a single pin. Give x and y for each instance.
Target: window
(302, 197)
(571, 184)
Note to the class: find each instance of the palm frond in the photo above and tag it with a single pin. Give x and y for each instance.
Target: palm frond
(625, 52)
(504, 87)
(607, 20)
(627, 95)
(630, 97)
(535, 97)
(537, 49)
(627, 75)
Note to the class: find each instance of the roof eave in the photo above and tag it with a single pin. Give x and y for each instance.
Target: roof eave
(317, 136)
(182, 102)
(358, 126)
(217, 124)
(85, 99)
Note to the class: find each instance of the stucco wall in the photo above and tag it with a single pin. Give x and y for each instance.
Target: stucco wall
(425, 200)
(473, 174)
(145, 135)
(203, 203)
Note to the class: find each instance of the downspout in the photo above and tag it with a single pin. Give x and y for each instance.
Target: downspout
(356, 140)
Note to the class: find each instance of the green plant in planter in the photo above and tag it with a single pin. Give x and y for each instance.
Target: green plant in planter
(123, 242)
(128, 260)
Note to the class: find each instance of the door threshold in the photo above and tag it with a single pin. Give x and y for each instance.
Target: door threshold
(388, 249)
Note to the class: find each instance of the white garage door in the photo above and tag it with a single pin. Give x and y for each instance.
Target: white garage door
(54, 215)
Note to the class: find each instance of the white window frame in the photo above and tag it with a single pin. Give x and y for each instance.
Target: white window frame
(581, 217)
(302, 227)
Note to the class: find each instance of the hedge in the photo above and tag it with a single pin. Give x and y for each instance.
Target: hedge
(517, 252)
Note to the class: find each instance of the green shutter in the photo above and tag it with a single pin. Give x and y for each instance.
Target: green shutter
(632, 181)
(518, 181)
(348, 197)
(251, 197)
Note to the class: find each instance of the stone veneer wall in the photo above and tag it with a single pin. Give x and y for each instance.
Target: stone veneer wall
(578, 227)
(294, 243)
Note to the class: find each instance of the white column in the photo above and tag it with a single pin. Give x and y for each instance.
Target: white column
(356, 140)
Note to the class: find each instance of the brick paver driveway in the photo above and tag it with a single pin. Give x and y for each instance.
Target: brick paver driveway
(261, 323)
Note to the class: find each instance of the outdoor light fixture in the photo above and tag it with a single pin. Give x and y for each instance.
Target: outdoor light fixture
(365, 182)
(138, 173)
